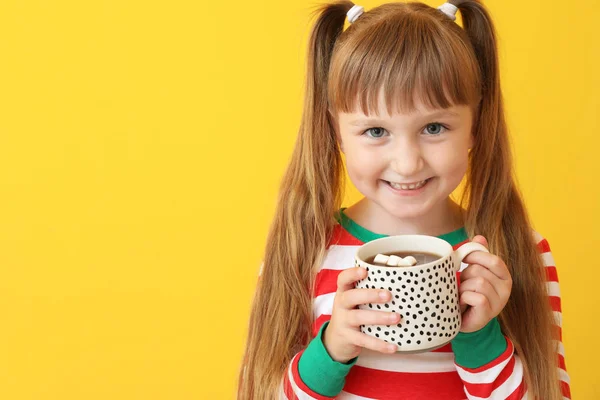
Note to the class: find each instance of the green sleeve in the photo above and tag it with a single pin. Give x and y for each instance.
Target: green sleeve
(476, 349)
(319, 371)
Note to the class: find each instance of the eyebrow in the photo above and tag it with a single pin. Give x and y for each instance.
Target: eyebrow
(436, 114)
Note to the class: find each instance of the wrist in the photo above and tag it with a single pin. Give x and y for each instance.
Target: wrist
(329, 348)
(319, 371)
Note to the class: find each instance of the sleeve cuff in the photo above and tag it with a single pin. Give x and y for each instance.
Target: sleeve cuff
(319, 371)
(476, 349)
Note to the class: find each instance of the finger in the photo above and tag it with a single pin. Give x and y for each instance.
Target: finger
(478, 306)
(369, 342)
(360, 317)
(480, 285)
(481, 240)
(347, 277)
(354, 297)
(475, 300)
(489, 261)
(476, 270)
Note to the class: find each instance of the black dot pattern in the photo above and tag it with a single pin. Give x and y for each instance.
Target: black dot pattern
(426, 299)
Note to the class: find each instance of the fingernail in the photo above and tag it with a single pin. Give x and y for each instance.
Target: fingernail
(383, 295)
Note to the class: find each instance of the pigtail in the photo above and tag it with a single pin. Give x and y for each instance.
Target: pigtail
(496, 210)
(310, 193)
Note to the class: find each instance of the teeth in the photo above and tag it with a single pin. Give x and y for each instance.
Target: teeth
(411, 186)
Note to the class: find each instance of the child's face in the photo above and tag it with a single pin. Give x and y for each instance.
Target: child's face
(427, 149)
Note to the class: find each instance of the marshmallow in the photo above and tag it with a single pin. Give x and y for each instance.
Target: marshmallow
(394, 261)
(381, 259)
(411, 260)
(404, 263)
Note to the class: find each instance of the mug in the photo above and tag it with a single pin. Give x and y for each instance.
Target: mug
(425, 296)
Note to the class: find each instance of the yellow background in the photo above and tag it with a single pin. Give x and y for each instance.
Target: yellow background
(141, 148)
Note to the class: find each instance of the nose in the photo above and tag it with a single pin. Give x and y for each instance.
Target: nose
(407, 159)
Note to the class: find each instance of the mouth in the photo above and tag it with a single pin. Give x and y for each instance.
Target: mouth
(408, 186)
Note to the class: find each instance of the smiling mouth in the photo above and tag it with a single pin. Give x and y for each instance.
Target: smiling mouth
(408, 186)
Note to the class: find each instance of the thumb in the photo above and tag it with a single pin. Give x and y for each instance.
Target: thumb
(481, 240)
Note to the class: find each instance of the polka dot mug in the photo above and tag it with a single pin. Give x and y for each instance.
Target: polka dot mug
(425, 296)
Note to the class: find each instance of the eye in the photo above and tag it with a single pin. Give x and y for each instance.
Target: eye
(375, 132)
(435, 128)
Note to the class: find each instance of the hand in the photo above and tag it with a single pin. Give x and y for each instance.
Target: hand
(342, 337)
(485, 287)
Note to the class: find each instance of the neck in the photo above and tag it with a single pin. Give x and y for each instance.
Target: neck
(444, 218)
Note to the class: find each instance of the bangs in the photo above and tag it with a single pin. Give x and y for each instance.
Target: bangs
(407, 57)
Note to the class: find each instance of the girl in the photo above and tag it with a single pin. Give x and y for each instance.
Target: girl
(413, 102)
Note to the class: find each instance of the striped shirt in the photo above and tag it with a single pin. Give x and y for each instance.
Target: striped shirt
(429, 375)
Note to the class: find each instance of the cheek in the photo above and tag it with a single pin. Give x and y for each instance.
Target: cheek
(451, 162)
(457, 167)
(362, 165)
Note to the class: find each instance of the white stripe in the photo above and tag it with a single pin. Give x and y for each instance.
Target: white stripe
(509, 386)
(471, 397)
(553, 289)
(299, 393)
(538, 237)
(512, 383)
(486, 376)
(339, 257)
(349, 396)
(561, 349)
(564, 376)
(282, 395)
(323, 304)
(400, 362)
(548, 260)
(557, 318)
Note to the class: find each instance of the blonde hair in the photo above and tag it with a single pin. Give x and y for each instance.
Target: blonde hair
(408, 50)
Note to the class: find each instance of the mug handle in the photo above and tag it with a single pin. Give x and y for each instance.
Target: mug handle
(465, 250)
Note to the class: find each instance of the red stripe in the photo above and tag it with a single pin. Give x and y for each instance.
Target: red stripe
(388, 385)
(445, 349)
(561, 362)
(518, 393)
(551, 274)
(287, 386)
(319, 322)
(566, 390)
(543, 246)
(501, 358)
(456, 246)
(302, 385)
(555, 303)
(341, 236)
(326, 281)
(485, 389)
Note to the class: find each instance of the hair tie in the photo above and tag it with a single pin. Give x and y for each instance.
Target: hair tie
(354, 13)
(449, 9)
